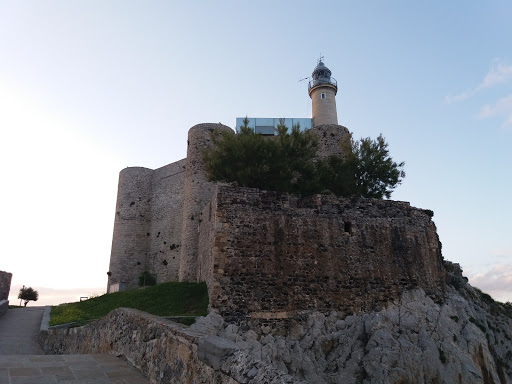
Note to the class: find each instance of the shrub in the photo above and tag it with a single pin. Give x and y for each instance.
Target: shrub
(146, 279)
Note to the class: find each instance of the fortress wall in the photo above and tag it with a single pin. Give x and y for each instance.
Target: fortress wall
(132, 226)
(197, 193)
(329, 139)
(275, 255)
(5, 285)
(166, 219)
(208, 244)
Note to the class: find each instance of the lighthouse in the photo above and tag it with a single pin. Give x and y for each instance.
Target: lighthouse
(322, 90)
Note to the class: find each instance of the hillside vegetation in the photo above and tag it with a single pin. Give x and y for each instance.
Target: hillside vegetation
(167, 299)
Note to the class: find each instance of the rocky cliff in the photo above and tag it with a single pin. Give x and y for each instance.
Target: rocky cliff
(464, 338)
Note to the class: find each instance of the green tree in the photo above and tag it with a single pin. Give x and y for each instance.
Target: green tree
(281, 163)
(28, 294)
(288, 163)
(366, 170)
(376, 174)
(336, 174)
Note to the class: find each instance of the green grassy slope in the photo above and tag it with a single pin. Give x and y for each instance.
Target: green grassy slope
(167, 299)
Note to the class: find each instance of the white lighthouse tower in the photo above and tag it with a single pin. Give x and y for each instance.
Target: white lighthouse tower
(322, 90)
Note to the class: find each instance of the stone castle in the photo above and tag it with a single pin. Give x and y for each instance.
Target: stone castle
(267, 255)
(314, 289)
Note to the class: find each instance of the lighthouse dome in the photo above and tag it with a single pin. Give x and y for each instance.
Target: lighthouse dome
(321, 72)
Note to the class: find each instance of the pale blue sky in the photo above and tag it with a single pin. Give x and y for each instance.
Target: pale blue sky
(90, 87)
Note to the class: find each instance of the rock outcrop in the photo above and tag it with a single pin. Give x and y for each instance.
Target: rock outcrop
(465, 338)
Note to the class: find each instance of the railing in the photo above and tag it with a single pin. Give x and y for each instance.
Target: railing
(323, 80)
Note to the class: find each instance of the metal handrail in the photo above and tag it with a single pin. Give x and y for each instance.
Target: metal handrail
(314, 83)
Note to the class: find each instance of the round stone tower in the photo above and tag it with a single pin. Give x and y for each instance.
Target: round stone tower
(322, 90)
(197, 193)
(132, 225)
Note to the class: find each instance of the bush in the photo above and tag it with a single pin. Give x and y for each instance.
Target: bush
(146, 279)
(28, 294)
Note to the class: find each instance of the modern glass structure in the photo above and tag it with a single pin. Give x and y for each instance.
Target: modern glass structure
(268, 125)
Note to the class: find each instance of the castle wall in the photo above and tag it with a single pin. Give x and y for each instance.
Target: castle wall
(5, 285)
(166, 221)
(158, 212)
(209, 244)
(147, 227)
(132, 227)
(275, 255)
(197, 193)
(330, 137)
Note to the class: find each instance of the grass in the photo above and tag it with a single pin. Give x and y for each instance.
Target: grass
(167, 299)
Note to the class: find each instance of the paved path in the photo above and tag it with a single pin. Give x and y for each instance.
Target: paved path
(67, 369)
(19, 328)
(22, 361)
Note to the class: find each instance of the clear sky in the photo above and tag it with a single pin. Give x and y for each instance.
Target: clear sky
(89, 87)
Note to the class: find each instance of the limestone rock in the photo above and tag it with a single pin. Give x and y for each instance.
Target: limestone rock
(460, 339)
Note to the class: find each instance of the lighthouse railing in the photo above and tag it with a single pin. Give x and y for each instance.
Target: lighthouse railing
(315, 82)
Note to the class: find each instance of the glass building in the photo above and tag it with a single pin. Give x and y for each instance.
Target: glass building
(268, 125)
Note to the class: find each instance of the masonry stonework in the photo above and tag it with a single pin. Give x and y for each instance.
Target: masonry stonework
(269, 255)
(164, 351)
(311, 253)
(165, 234)
(197, 192)
(330, 138)
(324, 109)
(5, 285)
(157, 216)
(147, 226)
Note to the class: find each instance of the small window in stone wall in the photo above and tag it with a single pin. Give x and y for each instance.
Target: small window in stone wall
(348, 227)
(322, 95)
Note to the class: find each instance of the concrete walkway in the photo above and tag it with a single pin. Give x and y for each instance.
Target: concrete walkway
(19, 328)
(22, 360)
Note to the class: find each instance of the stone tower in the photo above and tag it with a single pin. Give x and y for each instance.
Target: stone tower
(322, 90)
(198, 191)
